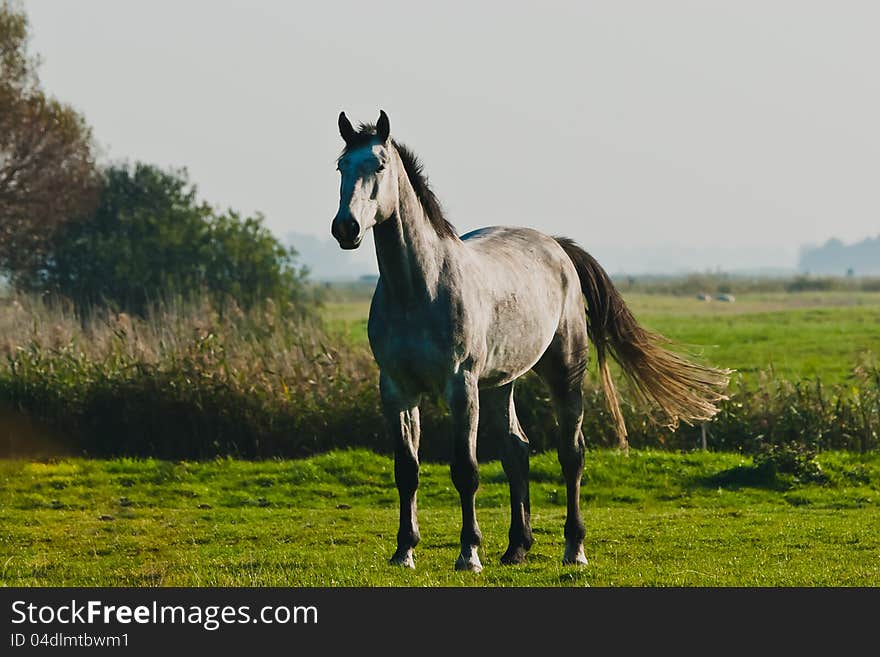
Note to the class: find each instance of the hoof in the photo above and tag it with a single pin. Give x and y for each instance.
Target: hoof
(574, 556)
(469, 563)
(513, 556)
(404, 559)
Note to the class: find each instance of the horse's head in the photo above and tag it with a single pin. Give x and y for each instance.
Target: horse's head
(368, 193)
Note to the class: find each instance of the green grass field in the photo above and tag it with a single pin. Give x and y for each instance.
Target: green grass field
(796, 336)
(653, 518)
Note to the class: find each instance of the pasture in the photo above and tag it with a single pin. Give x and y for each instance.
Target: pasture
(792, 336)
(653, 518)
(656, 518)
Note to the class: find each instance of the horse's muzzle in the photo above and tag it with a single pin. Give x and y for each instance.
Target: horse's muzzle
(347, 232)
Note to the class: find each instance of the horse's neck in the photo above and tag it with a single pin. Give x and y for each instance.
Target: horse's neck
(409, 251)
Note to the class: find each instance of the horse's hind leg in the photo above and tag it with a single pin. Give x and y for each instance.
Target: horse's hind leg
(570, 413)
(498, 417)
(562, 369)
(402, 414)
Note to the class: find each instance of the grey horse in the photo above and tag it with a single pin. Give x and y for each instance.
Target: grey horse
(459, 319)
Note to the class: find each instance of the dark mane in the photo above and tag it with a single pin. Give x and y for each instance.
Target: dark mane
(417, 178)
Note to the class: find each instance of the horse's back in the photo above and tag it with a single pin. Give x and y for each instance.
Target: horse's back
(511, 241)
(513, 259)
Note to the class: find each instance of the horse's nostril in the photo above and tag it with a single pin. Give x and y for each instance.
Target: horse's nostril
(336, 230)
(345, 230)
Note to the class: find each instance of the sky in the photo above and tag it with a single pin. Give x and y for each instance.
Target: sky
(663, 136)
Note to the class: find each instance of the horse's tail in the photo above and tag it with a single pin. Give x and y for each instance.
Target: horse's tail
(681, 389)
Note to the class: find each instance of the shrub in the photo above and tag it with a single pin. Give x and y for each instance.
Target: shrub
(797, 460)
(811, 284)
(150, 237)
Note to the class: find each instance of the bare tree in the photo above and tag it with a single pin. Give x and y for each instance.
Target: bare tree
(47, 168)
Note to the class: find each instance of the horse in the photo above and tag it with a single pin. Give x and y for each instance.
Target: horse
(460, 318)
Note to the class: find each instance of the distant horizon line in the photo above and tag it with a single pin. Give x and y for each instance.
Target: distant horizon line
(620, 245)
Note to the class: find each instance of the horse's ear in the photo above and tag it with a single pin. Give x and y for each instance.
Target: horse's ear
(383, 126)
(345, 128)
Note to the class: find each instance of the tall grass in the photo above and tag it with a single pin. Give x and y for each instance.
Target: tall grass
(185, 381)
(190, 382)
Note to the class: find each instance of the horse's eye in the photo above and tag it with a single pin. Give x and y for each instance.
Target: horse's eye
(381, 167)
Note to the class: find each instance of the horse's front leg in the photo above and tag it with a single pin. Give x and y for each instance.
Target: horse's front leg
(464, 402)
(402, 413)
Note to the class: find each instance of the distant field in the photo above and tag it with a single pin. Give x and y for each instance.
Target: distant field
(797, 336)
(655, 518)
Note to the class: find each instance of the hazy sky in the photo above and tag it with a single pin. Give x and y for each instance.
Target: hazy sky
(708, 133)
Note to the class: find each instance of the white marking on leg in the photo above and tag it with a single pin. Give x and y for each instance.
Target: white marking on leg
(469, 560)
(406, 560)
(574, 555)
